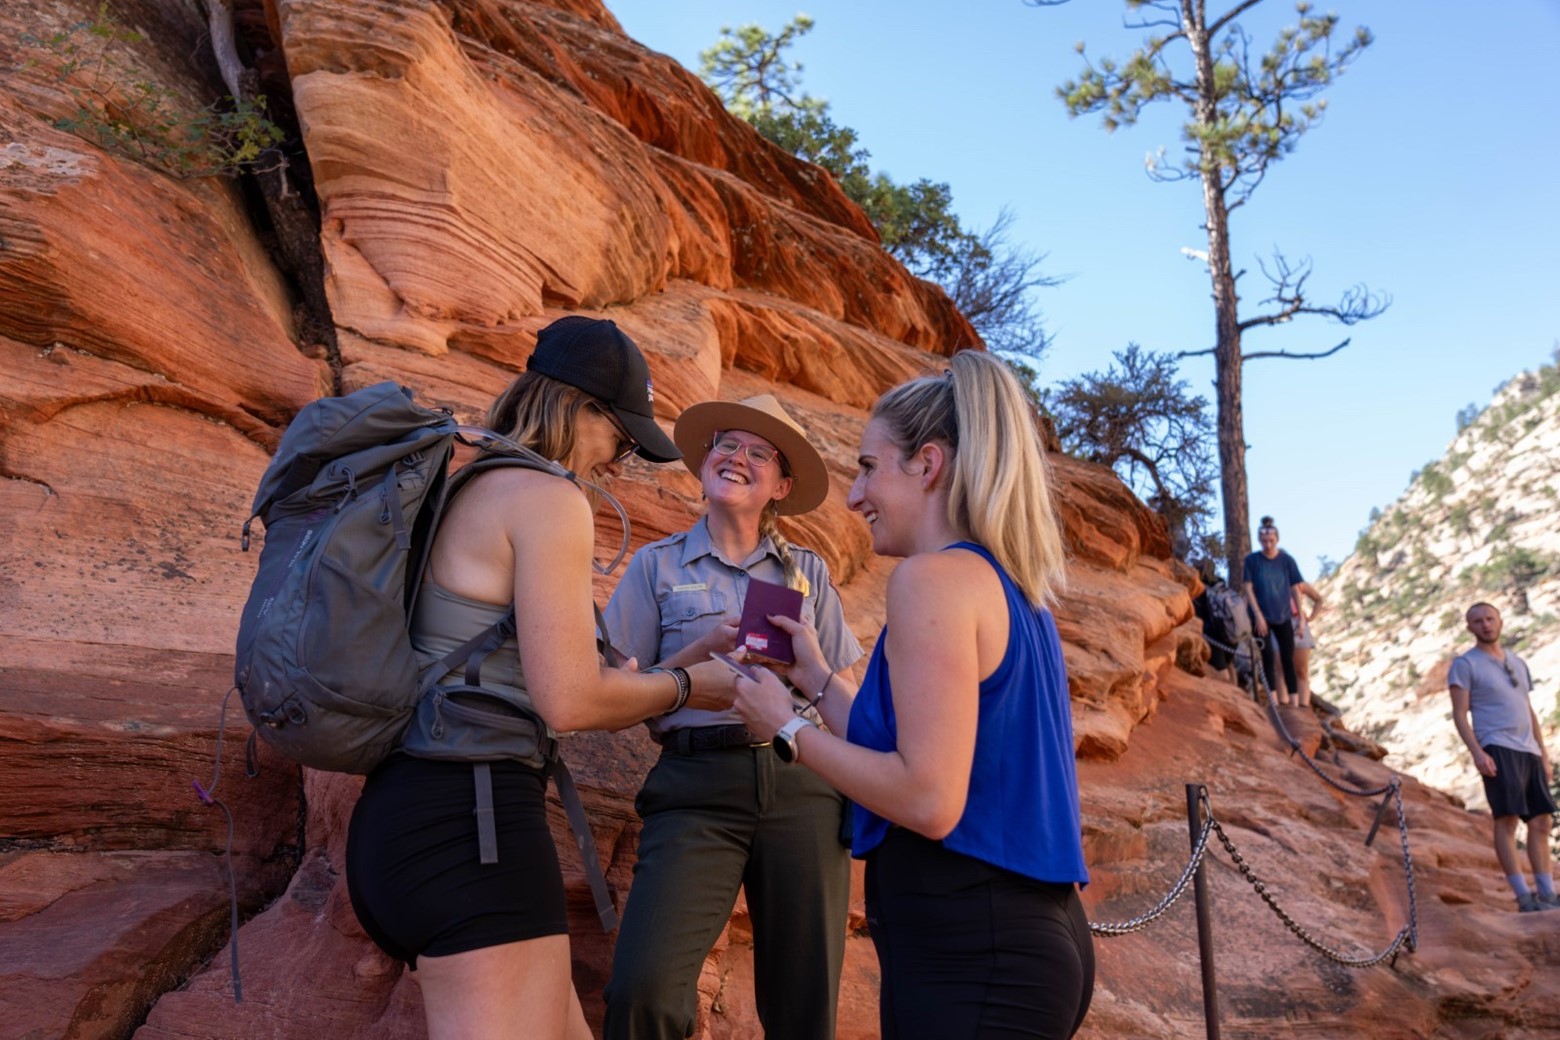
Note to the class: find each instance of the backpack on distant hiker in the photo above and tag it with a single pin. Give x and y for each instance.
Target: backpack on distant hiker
(1231, 614)
(325, 665)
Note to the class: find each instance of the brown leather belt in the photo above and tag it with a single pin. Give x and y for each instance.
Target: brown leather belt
(691, 739)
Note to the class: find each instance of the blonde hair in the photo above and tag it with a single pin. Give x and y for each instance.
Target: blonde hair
(769, 526)
(541, 413)
(998, 482)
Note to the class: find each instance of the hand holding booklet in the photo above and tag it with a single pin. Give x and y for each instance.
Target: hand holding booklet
(764, 641)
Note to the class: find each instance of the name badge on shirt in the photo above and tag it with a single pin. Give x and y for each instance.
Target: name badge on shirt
(698, 586)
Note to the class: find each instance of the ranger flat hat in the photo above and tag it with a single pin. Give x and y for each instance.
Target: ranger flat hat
(764, 417)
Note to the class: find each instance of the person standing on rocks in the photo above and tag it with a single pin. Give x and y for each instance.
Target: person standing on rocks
(1305, 642)
(1273, 584)
(720, 811)
(958, 747)
(1493, 712)
(1219, 637)
(489, 940)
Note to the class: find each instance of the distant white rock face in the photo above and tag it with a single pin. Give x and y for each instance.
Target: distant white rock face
(1482, 523)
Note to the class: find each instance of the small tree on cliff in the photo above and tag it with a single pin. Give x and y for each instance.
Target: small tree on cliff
(989, 278)
(1246, 110)
(1140, 419)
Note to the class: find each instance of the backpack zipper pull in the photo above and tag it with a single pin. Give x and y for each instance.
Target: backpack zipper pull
(437, 730)
(351, 492)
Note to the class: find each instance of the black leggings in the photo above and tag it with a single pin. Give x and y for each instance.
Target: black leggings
(1280, 642)
(968, 950)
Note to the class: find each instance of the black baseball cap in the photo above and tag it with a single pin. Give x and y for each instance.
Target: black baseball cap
(594, 355)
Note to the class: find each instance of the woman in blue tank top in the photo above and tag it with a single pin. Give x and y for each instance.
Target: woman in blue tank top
(957, 749)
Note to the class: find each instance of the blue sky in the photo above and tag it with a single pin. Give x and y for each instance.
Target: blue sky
(1432, 178)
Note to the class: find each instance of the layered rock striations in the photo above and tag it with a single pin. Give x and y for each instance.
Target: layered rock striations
(478, 168)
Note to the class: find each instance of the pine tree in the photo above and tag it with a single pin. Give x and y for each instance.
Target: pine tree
(1245, 111)
(988, 277)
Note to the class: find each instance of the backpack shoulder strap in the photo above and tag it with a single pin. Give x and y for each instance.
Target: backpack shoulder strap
(471, 654)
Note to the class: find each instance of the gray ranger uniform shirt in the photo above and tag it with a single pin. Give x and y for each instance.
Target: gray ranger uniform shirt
(676, 590)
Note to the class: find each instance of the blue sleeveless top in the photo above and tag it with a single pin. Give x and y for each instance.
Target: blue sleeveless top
(1022, 811)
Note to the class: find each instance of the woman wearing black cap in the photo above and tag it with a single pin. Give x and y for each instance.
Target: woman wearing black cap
(489, 941)
(720, 811)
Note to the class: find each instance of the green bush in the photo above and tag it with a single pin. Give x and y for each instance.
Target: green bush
(1436, 483)
(124, 112)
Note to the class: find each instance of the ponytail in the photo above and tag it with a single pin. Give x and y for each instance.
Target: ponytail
(998, 484)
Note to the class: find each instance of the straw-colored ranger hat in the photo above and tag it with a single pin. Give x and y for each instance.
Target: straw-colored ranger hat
(762, 416)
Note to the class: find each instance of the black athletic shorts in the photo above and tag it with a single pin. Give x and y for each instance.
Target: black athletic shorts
(413, 866)
(1518, 787)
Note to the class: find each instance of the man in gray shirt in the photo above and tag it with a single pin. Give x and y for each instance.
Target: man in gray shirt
(1492, 684)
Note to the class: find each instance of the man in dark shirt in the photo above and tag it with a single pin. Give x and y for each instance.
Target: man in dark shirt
(1272, 579)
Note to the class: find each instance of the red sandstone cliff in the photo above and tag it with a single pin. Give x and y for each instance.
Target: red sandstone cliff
(481, 166)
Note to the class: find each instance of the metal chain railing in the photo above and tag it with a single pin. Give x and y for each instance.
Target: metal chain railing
(1179, 889)
(1259, 678)
(1407, 937)
(1393, 788)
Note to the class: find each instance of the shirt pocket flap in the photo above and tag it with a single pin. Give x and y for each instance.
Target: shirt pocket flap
(680, 608)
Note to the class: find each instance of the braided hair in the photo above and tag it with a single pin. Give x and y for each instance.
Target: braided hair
(769, 527)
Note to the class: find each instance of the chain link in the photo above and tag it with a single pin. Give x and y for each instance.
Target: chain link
(1260, 679)
(1143, 920)
(1393, 788)
(1406, 938)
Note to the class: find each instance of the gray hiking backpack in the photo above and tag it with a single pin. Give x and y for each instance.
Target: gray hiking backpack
(325, 666)
(324, 663)
(1228, 607)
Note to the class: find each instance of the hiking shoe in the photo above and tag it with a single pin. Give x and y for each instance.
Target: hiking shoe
(1549, 902)
(1529, 902)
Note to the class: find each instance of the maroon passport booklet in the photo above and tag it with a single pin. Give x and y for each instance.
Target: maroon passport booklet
(762, 640)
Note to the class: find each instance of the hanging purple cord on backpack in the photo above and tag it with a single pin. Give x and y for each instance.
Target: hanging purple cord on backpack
(207, 796)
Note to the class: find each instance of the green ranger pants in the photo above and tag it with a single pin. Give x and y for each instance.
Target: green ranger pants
(713, 821)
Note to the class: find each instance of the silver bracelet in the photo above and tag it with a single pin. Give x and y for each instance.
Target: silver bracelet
(684, 688)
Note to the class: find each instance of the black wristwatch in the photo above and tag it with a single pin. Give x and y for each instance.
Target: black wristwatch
(785, 739)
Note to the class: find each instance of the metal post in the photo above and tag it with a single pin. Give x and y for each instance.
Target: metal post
(1194, 793)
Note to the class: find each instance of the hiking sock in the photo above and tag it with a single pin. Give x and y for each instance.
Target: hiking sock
(1518, 884)
(1546, 885)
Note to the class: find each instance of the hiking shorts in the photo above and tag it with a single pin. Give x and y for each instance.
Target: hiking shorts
(413, 866)
(1518, 787)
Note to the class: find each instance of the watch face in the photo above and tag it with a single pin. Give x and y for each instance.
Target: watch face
(785, 746)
